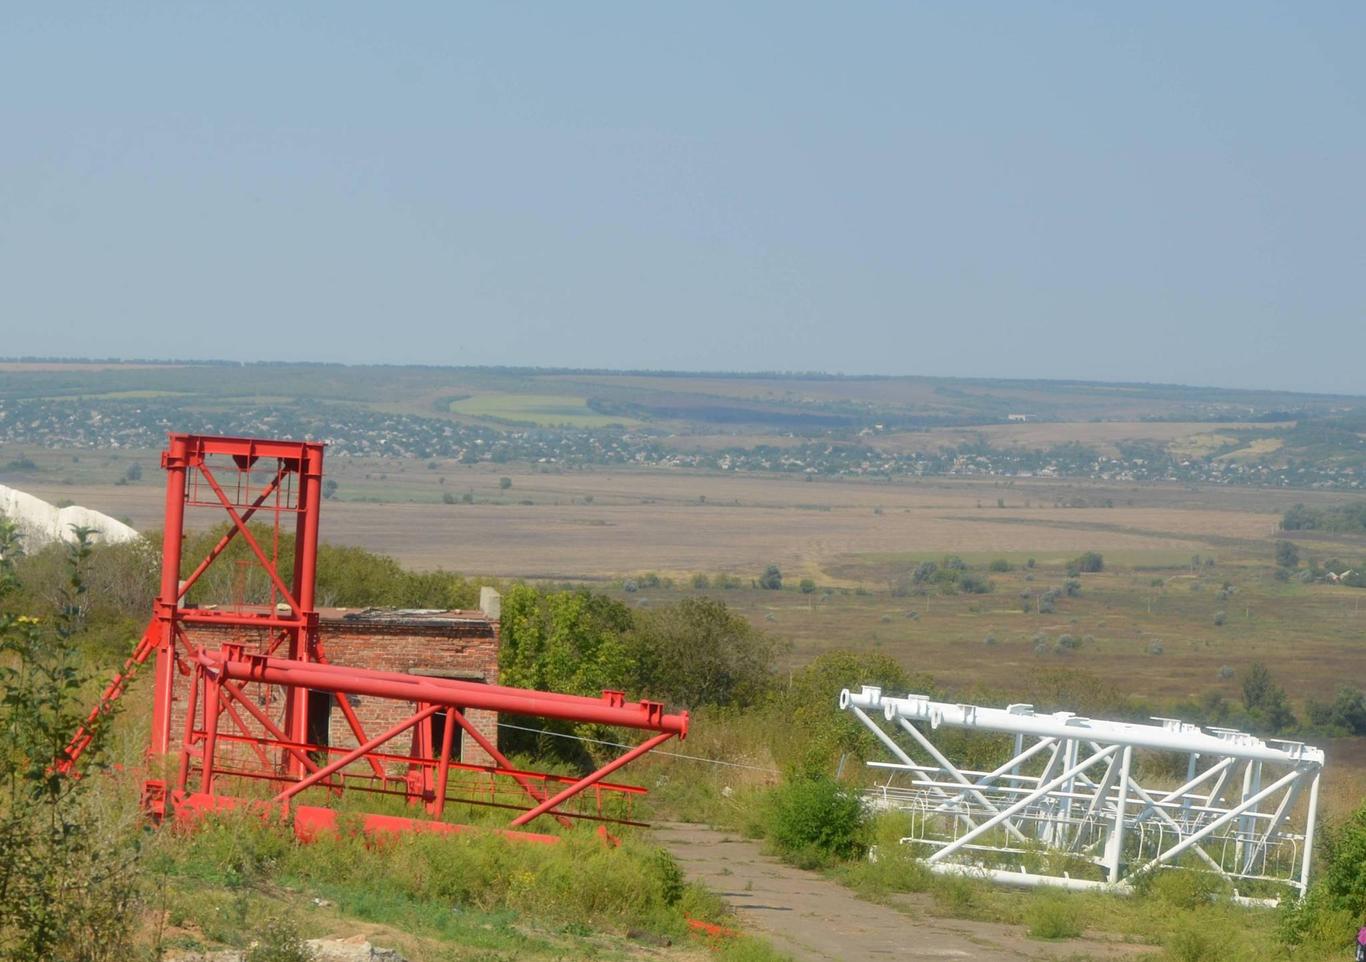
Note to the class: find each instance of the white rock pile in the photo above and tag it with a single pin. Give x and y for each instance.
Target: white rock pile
(41, 523)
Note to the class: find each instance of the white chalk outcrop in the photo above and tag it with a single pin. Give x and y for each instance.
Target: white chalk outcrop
(41, 523)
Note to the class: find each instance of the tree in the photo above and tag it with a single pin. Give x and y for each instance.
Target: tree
(1265, 700)
(815, 731)
(808, 586)
(565, 641)
(698, 652)
(504, 484)
(67, 879)
(1287, 555)
(771, 579)
(329, 488)
(1089, 563)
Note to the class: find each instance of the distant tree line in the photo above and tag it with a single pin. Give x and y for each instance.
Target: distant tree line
(1337, 518)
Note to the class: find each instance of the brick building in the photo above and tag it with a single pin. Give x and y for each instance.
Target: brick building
(441, 644)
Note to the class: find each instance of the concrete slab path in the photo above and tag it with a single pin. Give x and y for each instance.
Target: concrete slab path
(814, 919)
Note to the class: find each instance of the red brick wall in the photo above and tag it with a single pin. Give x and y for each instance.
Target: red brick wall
(468, 651)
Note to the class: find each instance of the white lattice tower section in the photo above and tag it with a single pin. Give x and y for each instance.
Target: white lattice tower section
(1234, 804)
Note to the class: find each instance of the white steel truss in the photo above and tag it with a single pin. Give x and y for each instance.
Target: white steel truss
(1233, 803)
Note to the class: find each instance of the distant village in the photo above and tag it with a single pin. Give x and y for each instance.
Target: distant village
(354, 431)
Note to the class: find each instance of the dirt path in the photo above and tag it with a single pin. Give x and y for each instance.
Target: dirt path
(816, 920)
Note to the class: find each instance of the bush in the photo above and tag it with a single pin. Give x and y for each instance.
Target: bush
(1185, 888)
(1090, 562)
(807, 586)
(974, 584)
(1219, 619)
(279, 942)
(699, 652)
(1195, 940)
(890, 866)
(1070, 642)
(771, 579)
(1053, 917)
(814, 819)
(701, 582)
(999, 565)
(1343, 873)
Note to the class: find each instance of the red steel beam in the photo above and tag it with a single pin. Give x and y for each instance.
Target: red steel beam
(447, 692)
(585, 782)
(356, 753)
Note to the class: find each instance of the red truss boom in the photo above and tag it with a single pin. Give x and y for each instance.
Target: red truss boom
(245, 713)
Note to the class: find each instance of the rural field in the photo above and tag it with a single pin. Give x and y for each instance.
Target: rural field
(1186, 602)
(854, 540)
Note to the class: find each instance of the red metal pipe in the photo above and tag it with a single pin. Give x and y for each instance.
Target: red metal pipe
(232, 533)
(443, 768)
(191, 706)
(282, 739)
(357, 730)
(210, 733)
(302, 644)
(355, 754)
(269, 568)
(447, 692)
(601, 773)
(175, 461)
(502, 760)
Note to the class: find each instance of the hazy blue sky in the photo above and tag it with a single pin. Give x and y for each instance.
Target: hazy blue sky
(1158, 192)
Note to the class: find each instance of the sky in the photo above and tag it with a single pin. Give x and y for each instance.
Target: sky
(1163, 192)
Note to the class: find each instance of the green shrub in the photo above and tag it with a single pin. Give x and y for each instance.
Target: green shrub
(279, 942)
(957, 896)
(1185, 888)
(1053, 917)
(1089, 563)
(1200, 937)
(813, 819)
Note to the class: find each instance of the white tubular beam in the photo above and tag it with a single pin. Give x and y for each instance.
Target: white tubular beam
(957, 776)
(1028, 880)
(1042, 790)
(1169, 736)
(897, 750)
(1114, 850)
(1310, 820)
(1176, 827)
(1178, 793)
(1208, 829)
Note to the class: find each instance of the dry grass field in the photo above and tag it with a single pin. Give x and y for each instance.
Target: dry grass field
(1103, 436)
(605, 524)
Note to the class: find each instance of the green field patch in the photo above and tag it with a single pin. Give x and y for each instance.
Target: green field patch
(115, 396)
(542, 410)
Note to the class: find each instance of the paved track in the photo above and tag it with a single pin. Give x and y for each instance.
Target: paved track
(816, 920)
